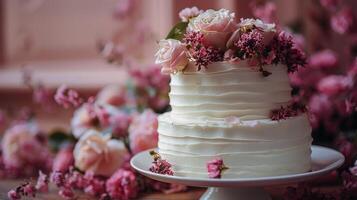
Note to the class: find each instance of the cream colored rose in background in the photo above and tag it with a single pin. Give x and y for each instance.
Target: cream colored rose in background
(172, 56)
(99, 154)
(217, 26)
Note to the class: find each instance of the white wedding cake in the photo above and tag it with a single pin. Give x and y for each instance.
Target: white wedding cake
(223, 111)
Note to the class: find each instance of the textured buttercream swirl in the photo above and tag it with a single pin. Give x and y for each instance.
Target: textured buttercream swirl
(225, 89)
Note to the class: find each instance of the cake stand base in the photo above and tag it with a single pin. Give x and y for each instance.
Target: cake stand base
(323, 161)
(250, 193)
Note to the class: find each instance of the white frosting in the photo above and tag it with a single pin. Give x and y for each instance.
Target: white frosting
(224, 90)
(223, 112)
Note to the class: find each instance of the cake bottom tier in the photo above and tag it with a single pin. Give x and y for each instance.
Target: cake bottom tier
(255, 148)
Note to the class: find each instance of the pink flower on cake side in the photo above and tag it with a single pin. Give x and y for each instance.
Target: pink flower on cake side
(143, 133)
(188, 13)
(171, 56)
(215, 168)
(122, 185)
(98, 154)
(217, 27)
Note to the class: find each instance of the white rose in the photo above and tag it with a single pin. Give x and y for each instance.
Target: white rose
(217, 26)
(99, 154)
(257, 23)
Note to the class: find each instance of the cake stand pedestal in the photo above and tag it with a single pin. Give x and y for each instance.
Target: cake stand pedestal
(324, 160)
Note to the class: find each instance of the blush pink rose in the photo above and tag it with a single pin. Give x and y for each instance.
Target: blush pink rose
(98, 154)
(171, 56)
(143, 133)
(217, 26)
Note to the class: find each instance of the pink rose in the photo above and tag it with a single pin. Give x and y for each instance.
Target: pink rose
(63, 160)
(217, 26)
(172, 56)
(215, 168)
(21, 146)
(98, 154)
(325, 59)
(189, 13)
(143, 133)
(334, 84)
(114, 95)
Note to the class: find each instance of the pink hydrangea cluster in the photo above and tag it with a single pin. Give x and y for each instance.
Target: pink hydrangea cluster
(122, 185)
(215, 168)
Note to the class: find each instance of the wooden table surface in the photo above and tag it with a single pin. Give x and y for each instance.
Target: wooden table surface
(193, 194)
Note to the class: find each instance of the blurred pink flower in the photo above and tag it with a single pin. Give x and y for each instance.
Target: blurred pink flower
(114, 95)
(122, 185)
(143, 133)
(342, 21)
(63, 160)
(323, 60)
(187, 13)
(123, 8)
(215, 168)
(22, 146)
(98, 154)
(94, 185)
(265, 11)
(120, 123)
(330, 4)
(67, 97)
(334, 85)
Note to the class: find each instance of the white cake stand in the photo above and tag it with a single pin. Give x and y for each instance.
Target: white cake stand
(323, 159)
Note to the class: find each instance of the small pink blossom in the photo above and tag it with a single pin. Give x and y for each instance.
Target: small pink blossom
(187, 13)
(13, 195)
(122, 185)
(67, 97)
(63, 160)
(42, 182)
(123, 8)
(94, 186)
(143, 133)
(160, 166)
(66, 193)
(342, 21)
(215, 168)
(334, 84)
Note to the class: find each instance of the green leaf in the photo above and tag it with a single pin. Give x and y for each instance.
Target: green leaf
(177, 31)
(58, 138)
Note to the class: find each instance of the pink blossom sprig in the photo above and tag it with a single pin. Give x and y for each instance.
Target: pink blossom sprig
(160, 166)
(67, 97)
(24, 190)
(286, 52)
(122, 185)
(291, 110)
(201, 54)
(215, 168)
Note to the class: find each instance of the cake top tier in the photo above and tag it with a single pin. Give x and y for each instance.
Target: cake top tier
(205, 37)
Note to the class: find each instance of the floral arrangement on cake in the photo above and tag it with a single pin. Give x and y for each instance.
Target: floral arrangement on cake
(204, 37)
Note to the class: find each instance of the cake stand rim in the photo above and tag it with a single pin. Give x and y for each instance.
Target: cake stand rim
(242, 182)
